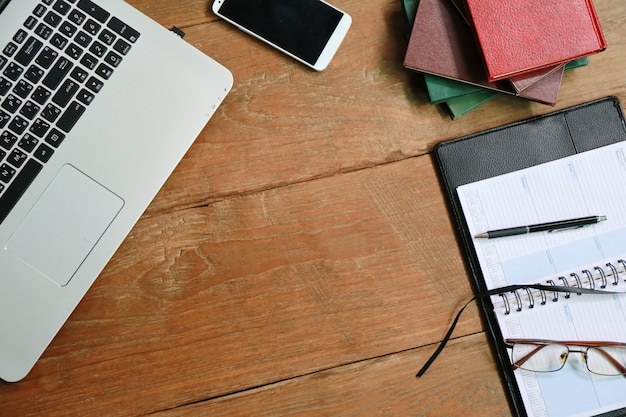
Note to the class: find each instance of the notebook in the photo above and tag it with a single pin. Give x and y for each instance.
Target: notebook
(528, 35)
(550, 167)
(442, 44)
(98, 104)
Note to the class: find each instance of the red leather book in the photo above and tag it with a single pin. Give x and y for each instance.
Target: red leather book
(519, 82)
(519, 36)
(443, 44)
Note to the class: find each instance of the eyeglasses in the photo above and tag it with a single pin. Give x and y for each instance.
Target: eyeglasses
(506, 289)
(601, 358)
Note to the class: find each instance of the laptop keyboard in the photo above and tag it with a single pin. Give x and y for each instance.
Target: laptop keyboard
(50, 72)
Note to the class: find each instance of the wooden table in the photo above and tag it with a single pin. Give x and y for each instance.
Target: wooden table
(300, 261)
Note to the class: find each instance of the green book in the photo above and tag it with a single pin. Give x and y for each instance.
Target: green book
(442, 89)
(458, 106)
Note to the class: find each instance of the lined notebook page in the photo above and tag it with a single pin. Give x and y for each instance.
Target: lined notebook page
(586, 184)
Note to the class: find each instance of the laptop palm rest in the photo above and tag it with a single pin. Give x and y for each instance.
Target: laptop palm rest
(64, 225)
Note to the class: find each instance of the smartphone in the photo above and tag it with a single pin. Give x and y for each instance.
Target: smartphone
(308, 30)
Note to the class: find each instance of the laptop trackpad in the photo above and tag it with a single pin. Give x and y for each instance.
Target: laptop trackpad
(62, 228)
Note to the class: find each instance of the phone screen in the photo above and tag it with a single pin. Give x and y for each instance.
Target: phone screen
(300, 27)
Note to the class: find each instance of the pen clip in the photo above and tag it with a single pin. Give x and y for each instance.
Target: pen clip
(567, 228)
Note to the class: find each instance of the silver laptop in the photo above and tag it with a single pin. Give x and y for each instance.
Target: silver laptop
(98, 104)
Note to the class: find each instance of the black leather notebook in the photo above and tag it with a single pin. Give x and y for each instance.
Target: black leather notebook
(511, 148)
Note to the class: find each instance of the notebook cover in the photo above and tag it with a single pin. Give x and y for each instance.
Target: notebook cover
(509, 148)
(442, 89)
(441, 43)
(460, 106)
(519, 82)
(525, 35)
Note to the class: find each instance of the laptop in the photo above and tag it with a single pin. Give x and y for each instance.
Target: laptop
(98, 104)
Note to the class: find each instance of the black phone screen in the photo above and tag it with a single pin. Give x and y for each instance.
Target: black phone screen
(300, 27)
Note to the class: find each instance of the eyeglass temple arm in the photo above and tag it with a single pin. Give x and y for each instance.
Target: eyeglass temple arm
(612, 360)
(518, 363)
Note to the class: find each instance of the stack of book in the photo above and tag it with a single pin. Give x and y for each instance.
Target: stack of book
(471, 51)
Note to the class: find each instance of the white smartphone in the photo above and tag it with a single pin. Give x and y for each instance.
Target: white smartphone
(307, 30)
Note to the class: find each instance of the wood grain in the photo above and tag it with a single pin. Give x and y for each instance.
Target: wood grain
(300, 260)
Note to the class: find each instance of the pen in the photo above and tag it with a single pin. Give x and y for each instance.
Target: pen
(551, 226)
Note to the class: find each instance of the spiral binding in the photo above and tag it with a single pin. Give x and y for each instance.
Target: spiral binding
(612, 270)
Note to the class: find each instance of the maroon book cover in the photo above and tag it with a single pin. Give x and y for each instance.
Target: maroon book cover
(520, 36)
(443, 44)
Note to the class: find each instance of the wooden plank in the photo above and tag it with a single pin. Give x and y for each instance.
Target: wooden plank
(254, 289)
(383, 386)
(284, 124)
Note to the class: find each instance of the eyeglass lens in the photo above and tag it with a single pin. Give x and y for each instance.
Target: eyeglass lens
(603, 360)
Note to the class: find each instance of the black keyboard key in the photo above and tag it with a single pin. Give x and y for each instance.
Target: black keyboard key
(6, 173)
(55, 137)
(50, 113)
(43, 153)
(65, 93)
(13, 193)
(20, 36)
(28, 51)
(13, 71)
(18, 125)
(92, 27)
(98, 49)
(28, 142)
(52, 19)
(85, 97)
(122, 29)
(4, 118)
(71, 116)
(41, 95)
(40, 128)
(107, 37)
(77, 17)
(7, 140)
(44, 31)
(40, 10)
(11, 103)
(3, 61)
(93, 10)
(5, 86)
(83, 39)
(122, 46)
(23, 88)
(59, 41)
(2, 155)
(113, 59)
(30, 23)
(89, 61)
(30, 110)
(17, 158)
(79, 74)
(33, 74)
(104, 71)
(61, 7)
(74, 51)
(46, 57)
(68, 29)
(58, 72)
(94, 84)
(10, 49)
